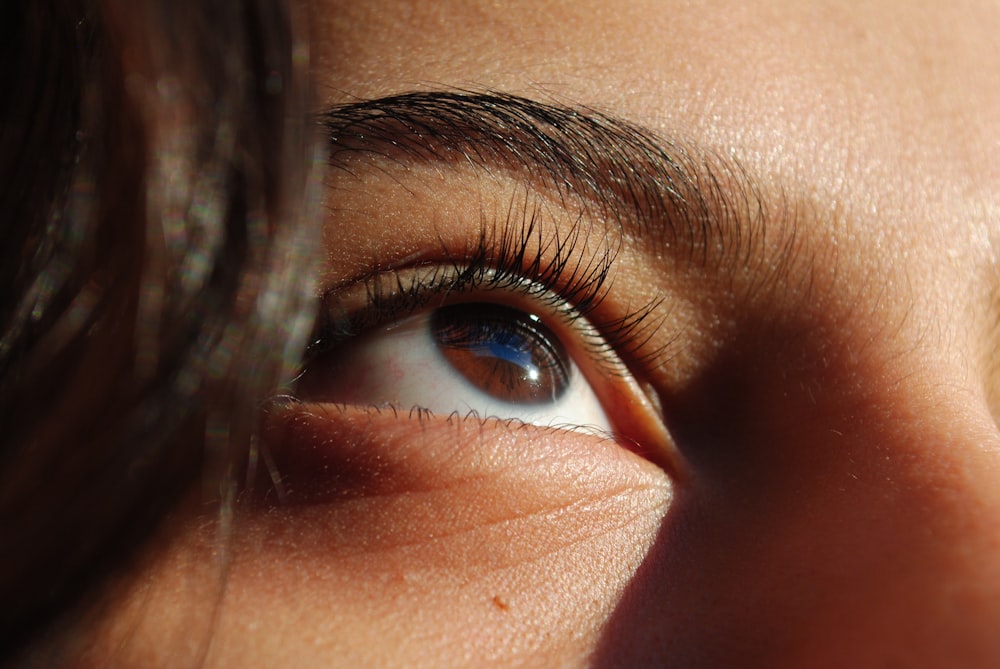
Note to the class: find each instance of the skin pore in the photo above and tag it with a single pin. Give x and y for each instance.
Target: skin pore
(804, 456)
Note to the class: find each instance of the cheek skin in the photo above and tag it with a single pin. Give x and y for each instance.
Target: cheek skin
(438, 543)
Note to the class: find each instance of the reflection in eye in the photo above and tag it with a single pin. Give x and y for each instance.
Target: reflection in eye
(477, 357)
(507, 354)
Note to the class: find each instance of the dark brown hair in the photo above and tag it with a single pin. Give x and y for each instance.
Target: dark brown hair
(154, 171)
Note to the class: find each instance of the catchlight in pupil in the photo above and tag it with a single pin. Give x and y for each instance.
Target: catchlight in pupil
(503, 352)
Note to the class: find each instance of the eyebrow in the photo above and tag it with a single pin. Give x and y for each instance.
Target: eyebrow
(671, 195)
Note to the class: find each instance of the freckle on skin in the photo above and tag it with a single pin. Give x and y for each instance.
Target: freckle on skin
(500, 604)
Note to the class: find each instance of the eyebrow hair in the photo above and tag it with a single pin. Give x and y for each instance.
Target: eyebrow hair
(689, 200)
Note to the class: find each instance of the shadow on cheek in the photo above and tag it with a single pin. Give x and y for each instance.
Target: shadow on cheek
(324, 453)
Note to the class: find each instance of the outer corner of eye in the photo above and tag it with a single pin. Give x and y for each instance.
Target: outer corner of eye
(638, 419)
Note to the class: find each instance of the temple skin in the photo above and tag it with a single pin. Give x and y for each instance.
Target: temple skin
(829, 495)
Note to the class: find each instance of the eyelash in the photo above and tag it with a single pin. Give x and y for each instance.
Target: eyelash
(508, 259)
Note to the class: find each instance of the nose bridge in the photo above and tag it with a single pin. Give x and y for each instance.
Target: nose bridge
(895, 420)
(922, 519)
(849, 507)
(908, 525)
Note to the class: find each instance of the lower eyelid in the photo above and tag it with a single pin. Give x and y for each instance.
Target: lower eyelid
(323, 453)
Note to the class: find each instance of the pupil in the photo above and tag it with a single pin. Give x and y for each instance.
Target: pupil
(503, 352)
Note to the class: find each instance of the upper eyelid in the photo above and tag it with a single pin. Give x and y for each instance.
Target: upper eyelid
(519, 244)
(492, 268)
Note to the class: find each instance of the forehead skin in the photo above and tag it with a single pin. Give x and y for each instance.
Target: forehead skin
(827, 93)
(843, 504)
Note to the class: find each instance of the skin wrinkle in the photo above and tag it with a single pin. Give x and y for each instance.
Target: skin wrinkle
(990, 356)
(597, 516)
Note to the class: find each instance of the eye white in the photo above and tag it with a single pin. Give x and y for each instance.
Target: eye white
(405, 365)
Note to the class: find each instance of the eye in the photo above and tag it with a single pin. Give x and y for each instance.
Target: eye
(520, 324)
(481, 357)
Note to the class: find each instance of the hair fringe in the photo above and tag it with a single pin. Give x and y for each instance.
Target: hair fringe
(157, 175)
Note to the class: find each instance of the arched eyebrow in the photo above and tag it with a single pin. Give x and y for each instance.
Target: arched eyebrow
(674, 196)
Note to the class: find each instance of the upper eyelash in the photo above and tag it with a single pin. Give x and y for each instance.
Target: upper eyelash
(509, 256)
